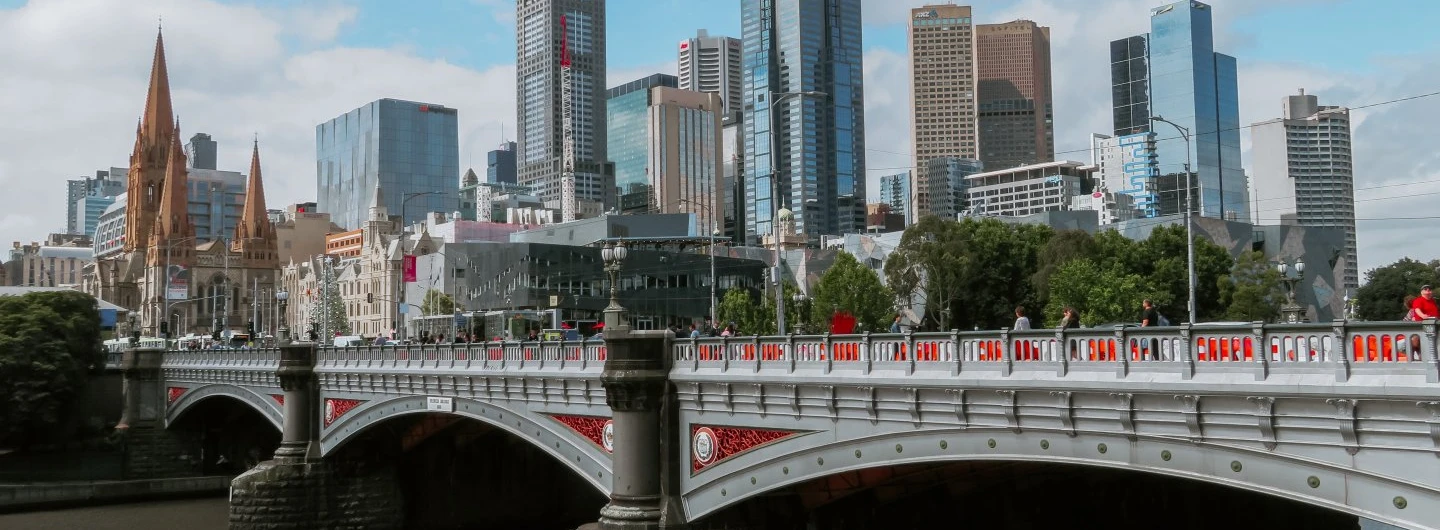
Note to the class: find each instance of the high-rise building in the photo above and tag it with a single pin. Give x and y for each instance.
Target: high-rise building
(734, 179)
(213, 200)
(712, 64)
(540, 151)
(946, 176)
(500, 164)
(628, 144)
(943, 101)
(1174, 73)
(201, 151)
(404, 146)
(1016, 117)
(1303, 171)
(1028, 190)
(686, 155)
(1125, 165)
(895, 191)
(86, 198)
(818, 144)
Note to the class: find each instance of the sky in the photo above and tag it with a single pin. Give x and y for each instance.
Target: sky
(73, 75)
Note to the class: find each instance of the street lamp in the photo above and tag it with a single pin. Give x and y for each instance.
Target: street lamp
(282, 297)
(613, 254)
(1293, 312)
(710, 212)
(774, 99)
(1189, 224)
(400, 282)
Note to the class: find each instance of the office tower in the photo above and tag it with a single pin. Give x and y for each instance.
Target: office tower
(1174, 73)
(943, 105)
(1016, 117)
(948, 184)
(1303, 171)
(819, 140)
(87, 197)
(500, 164)
(685, 155)
(201, 151)
(732, 147)
(895, 191)
(712, 64)
(404, 146)
(626, 116)
(1125, 165)
(540, 148)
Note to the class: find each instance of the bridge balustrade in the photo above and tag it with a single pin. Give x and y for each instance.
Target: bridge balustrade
(487, 355)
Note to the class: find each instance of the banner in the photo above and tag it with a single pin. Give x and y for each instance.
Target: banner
(177, 283)
(408, 268)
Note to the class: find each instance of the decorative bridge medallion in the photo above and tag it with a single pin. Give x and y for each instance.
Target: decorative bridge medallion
(279, 398)
(335, 408)
(712, 444)
(598, 429)
(173, 393)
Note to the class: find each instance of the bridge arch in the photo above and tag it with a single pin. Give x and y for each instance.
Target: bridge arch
(1312, 481)
(267, 406)
(579, 454)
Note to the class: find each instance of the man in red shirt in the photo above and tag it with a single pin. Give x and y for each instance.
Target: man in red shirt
(1423, 308)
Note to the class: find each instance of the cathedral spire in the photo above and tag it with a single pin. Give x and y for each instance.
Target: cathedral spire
(148, 162)
(254, 235)
(173, 220)
(159, 113)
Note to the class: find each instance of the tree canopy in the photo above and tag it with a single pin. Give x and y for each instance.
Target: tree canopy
(1383, 295)
(849, 287)
(437, 302)
(1252, 290)
(48, 342)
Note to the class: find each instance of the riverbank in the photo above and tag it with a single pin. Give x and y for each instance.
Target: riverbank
(54, 495)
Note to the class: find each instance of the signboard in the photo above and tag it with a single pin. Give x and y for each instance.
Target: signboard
(440, 404)
(177, 283)
(554, 300)
(408, 266)
(927, 14)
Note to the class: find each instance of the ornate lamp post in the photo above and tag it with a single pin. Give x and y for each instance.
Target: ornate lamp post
(613, 254)
(1292, 312)
(282, 297)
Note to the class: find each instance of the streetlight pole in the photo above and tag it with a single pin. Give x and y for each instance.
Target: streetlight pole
(710, 211)
(774, 100)
(613, 254)
(1292, 311)
(1189, 224)
(400, 271)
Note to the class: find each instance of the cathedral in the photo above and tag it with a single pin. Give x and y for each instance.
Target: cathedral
(175, 283)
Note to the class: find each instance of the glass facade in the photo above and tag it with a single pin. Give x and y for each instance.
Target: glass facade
(895, 191)
(1196, 88)
(627, 142)
(500, 164)
(948, 185)
(819, 142)
(215, 202)
(405, 147)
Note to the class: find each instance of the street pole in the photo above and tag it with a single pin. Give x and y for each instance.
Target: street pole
(710, 211)
(775, 99)
(1189, 223)
(400, 270)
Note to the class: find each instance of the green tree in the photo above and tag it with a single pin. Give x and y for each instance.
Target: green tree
(850, 287)
(1383, 295)
(48, 342)
(329, 307)
(971, 272)
(741, 307)
(437, 302)
(1065, 246)
(1102, 294)
(1252, 291)
(929, 265)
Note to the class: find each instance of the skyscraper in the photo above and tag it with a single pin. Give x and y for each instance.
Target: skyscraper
(948, 184)
(404, 146)
(712, 64)
(943, 104)
(1303, 171)
(1016, 117)
(731, 145)
(540, 150)
(895, 192)
(1174, 73)
(201, 151)
(819, 140)
(500, 164)
(686, 156)
(86, 198)
(626, 115)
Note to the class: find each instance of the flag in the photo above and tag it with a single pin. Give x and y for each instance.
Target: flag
(408, 268)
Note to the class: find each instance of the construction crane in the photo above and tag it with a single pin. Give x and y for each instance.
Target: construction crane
(567, 119)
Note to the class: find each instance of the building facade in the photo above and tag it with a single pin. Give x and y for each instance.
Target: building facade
(1015, 114)
(500, 164)
(540, 149)
(48, 265)
(86, 198)
(818, 144)
(734, 181)
(1028, 190)
(1174, 73)
(895, 191)
(686, 155)
(1304, 173)
(301, 232)
(948, 178)
(1126, 165)
(201, 150)
(403, 146)
(712, 64)
(627, 114)
(944, 106)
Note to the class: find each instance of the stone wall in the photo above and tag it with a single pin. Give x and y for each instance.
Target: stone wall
(319, 495)
(156, 452)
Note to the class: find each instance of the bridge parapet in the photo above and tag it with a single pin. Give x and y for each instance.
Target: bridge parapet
(577, 357)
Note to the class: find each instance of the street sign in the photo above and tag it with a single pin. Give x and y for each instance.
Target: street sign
(440, 404)
(554, 300)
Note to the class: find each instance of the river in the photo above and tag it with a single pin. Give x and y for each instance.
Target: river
(192, 514)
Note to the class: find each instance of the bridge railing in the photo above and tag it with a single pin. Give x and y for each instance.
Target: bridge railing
(257, 358)
(562, 355)
(1349, 344)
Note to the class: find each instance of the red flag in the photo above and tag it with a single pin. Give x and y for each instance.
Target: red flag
(408, 266)
(842, 323)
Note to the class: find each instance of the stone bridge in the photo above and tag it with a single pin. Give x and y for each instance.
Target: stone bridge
(1345, 416)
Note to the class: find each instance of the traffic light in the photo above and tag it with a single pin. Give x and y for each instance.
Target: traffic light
(215, 335)
(250, 327)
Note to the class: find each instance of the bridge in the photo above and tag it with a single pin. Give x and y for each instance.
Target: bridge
(1343, 416)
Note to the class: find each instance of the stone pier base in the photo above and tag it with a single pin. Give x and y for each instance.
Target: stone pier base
(151, 451)
(316, 495)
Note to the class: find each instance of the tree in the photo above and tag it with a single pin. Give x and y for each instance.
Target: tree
(1065, 246)
(1164, 251)
(1252, 291)
(739, 306)
(971, 273)
(1383, 295)
(328, 306)
(848, 286)
(437, 302)
(1101, 294)
(48, 342)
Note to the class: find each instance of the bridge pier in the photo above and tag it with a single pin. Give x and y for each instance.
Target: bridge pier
(298, 489)
(645, 489)
(150, 450)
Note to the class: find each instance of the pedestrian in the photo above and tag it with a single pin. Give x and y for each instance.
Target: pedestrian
(729, 331)
(1423, 308)
(1069, 319)
(1022, 322)
(694, 331)
(1149, 316)
(895, 325)
(709, 330)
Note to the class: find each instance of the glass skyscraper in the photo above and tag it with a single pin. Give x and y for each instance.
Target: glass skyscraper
(404, 146)
(1173, 72)
(500, 164)
(819, 141)
(627, 141)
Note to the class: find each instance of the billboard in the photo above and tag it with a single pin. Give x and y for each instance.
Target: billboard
(177, 283)
(408, 267)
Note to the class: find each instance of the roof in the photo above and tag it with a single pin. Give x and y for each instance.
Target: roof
(66, 252)
(22, 291)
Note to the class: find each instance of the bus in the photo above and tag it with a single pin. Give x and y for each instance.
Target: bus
(122, 344)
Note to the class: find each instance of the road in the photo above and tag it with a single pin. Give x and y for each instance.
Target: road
(192, 514)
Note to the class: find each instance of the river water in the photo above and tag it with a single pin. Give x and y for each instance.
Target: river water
(192, 514)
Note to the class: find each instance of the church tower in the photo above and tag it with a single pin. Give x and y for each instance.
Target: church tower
(255, 235)
(153, 138)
